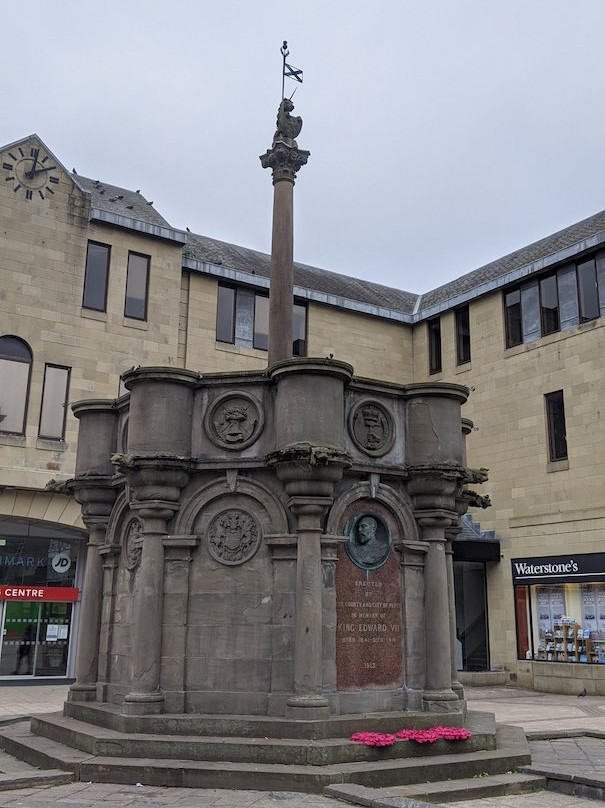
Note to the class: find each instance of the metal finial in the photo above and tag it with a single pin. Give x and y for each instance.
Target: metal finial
(284, 49)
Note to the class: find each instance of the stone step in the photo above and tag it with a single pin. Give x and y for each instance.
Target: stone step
(15, 773)
(342, 726)
(512, 752)
(443, 791)
(104, 742)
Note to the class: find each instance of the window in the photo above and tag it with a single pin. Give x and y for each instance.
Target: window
(555, 426)
(96, 276)
(434, 330)
(54, 402)
(15, 369)
(242, 318)
(574, 294)
(137, 282)
(463, 336)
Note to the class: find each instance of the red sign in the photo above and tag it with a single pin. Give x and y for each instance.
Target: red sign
(46, 593)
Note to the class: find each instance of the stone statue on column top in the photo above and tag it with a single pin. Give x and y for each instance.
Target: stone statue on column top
(288, 126)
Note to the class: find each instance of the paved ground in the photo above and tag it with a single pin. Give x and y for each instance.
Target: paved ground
(535, 712)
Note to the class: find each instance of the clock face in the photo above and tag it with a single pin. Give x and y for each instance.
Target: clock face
(31, 171)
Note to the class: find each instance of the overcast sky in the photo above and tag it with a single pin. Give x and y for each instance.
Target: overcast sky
(443, 133)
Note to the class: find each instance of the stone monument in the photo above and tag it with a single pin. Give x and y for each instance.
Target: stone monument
(269, 544)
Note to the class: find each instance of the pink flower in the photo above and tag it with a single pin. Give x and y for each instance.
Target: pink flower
(374, 738)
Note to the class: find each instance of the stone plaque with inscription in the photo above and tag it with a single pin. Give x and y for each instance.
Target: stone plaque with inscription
(368, 628)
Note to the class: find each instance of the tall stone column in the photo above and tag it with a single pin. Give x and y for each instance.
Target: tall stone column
(97, 502)
(449, 553)
(307, 700)
(93, 489)
(285, 159)
(146, 696)
(438, 695)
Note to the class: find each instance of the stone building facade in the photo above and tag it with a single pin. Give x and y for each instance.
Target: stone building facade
(523, 333)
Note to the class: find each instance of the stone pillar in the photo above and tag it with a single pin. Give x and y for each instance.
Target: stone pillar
(93, 489)
(87, 659)
(438, 695)
(146, 696)
(308, 701)
(285, 159)
(412, 561)
(109, 554)
(449, 554)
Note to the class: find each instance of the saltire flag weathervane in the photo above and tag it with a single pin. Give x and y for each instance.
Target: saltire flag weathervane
(289, 71)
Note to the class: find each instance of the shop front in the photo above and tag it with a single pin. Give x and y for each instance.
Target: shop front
(39, 573)
(560, 621)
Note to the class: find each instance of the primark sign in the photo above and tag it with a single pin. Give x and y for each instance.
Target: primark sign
(567, 569)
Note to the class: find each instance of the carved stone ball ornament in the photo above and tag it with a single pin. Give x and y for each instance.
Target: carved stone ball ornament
(369, 542)
(371, 428)
(133, 544)
(234, 421)
(234, 536)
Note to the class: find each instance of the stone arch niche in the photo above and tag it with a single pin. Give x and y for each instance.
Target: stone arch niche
(372, 632)
(235, 627)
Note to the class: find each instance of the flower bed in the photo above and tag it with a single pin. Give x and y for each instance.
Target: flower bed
(418, 735)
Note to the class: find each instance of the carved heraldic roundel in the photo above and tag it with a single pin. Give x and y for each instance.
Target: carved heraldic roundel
(371, 428)
(133, 544)
(233, 537)
(234, 421)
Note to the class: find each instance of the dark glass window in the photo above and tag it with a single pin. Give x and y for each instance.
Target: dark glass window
(471, 616)
(225, 314)
(96, 276)
(54, 402)
(261, 322)
(463, 336)
(588, 292)
(555, 426)
(574, 294)
(512, 304)
(299, 330)
(434, 329)
(549, 305)
(15, 369)
(242, 318)
(137, 281)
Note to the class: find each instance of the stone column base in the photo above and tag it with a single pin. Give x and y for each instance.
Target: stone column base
(309, 708)
(143, 704)
(458, 689)
(441, 701)
(82, 693)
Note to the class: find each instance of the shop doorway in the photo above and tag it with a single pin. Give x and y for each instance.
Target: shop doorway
(34, 640)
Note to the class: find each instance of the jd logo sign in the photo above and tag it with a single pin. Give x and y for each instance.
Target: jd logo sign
(60, 562)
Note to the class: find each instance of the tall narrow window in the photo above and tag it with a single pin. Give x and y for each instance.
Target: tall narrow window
(15, 369)
(549, 305)
(588, 293)
(512, 306)
(555, 425)
(299, 330)
(96, 276)
(261, 322)
(54, 402)
(434, 329)
(225, 314)
(463, 336)
(137, 281)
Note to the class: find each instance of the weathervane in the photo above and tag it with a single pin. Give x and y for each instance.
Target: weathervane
(289, 71)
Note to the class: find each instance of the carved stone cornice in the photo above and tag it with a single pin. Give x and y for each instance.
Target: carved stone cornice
(96, 493)
(154, 477)
(284, 160)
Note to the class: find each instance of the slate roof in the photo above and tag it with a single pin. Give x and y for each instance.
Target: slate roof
(121, 201)
(202, 248)
(515, 260)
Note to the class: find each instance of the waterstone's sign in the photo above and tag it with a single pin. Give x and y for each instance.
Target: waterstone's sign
(576, 568)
